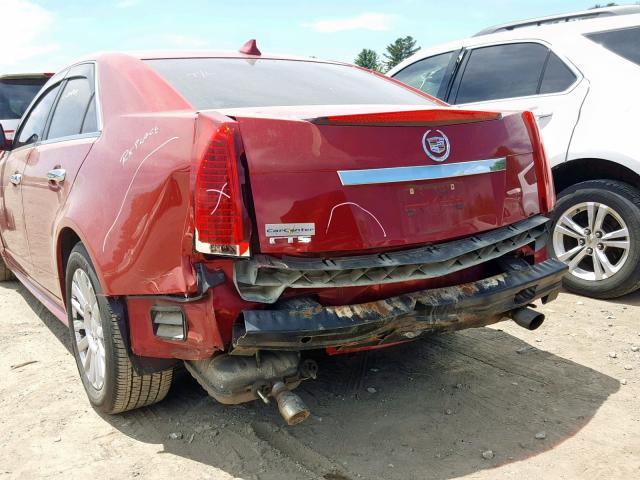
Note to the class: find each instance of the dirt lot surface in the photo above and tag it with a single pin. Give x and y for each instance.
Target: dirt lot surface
(502, 402)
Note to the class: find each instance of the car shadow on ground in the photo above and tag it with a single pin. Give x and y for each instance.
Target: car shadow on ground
(428, 409)
(632, 299)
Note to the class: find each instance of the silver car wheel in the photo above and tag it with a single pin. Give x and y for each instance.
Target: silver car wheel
(87, 325)
(593, 240)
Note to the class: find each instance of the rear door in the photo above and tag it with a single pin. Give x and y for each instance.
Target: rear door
(524, 76)
(12, 166)
(52, 167)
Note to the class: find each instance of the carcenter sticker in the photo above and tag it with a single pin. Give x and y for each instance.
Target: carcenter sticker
(290, 232)
(290, 229)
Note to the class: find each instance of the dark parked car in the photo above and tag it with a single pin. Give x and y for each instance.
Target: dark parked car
(16, 93)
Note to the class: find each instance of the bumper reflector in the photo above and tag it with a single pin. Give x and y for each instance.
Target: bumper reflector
(169, 323)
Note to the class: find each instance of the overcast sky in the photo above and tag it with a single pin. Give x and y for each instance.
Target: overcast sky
(45, 35)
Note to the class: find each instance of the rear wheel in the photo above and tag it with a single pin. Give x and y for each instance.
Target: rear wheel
(596, 233)
(111, 383)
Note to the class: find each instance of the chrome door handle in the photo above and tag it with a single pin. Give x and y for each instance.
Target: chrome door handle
(16, 178)
(57, 175)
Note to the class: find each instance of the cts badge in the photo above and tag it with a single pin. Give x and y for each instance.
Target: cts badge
(436, 145)
(290, 232)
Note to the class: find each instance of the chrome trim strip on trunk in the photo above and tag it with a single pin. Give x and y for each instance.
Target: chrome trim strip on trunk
(421, 172)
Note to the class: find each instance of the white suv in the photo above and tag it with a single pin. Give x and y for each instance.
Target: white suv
(582, 81)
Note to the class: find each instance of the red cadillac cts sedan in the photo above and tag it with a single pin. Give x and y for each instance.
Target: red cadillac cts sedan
(233, 210)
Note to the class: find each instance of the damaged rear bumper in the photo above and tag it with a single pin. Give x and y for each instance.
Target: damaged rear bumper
(398, 319)
(264, 278)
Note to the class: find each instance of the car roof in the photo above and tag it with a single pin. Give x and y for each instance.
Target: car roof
(563, 18)
(558, 33)
(177, 54)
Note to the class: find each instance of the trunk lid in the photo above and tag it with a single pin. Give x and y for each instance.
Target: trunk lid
(352, 178)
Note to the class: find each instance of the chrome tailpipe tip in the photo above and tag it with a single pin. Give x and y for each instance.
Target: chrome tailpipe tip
(291, 406)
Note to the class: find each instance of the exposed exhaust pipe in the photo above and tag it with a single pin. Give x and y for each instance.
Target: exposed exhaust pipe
(232, 379)
(527, 318)
(291, 406)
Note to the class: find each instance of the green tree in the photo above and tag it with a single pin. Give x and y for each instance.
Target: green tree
(368, 58)
(597, 5)
(399, 50)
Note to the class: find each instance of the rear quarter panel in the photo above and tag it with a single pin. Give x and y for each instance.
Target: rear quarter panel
(130, 203)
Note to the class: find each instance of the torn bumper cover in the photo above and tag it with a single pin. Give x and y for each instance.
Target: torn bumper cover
(264, 278)
(399, 318)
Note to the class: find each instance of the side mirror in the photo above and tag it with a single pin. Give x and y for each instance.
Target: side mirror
(5, 143)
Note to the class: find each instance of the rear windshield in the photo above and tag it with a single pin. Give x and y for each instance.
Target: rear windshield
(624, 42)
(237, 82)
(16, 95)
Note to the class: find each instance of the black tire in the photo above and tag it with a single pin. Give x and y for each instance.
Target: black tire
(5, 273)
(623, 199)
(123, 389)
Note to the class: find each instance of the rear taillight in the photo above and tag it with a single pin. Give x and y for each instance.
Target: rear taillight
(546, 190)
(219, 211)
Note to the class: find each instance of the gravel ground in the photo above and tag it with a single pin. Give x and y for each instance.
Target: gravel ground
(561, 402)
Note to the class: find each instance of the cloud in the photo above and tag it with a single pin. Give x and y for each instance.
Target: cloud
(366, 21)
(27, 28)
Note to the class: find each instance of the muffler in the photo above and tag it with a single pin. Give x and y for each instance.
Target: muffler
(527, 318)
(233, 379)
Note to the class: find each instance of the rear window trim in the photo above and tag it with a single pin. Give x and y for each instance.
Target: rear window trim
(463, 64)
(77, 136)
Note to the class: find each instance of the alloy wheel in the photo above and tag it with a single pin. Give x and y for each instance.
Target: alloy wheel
(87, 326)
(593, 240)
